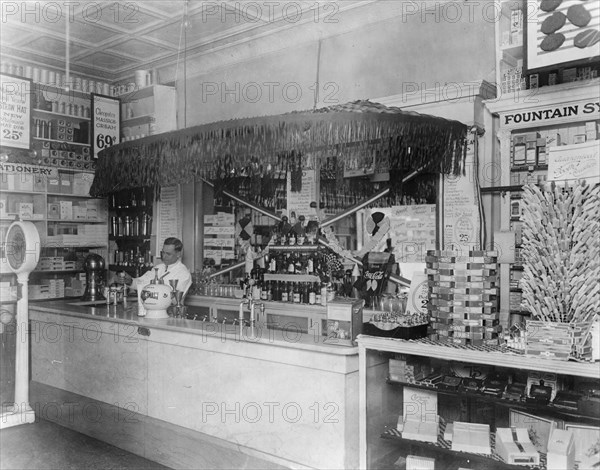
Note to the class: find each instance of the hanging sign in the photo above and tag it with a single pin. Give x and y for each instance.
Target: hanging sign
(460, 211)
(169, 221)
(303, 202)
(106, 122)
(15, 112)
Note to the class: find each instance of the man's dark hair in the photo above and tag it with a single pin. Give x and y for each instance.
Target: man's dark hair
(176, 242)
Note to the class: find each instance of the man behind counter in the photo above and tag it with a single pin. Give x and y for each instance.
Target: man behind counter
(170, 268)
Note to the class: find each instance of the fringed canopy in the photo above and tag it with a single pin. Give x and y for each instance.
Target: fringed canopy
(412, 140)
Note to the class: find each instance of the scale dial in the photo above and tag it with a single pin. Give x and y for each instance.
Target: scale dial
(22, 247)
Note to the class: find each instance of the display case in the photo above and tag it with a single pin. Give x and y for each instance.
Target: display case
(464, 386)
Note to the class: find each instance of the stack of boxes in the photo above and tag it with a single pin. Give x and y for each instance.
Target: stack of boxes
(407, 369)
(47, 289)
(75, 285)
(79, 235)
(463, 297)
(55, 263)
(64, 155)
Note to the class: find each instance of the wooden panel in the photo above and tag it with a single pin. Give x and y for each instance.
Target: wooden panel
(151, 438)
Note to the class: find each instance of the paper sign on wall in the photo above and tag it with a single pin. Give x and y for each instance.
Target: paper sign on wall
(574, 162)
(15, 112)
(106, 122)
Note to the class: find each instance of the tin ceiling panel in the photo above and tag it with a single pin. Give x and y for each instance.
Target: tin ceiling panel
(112, 39)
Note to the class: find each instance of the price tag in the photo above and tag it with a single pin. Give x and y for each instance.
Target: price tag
(106, 121)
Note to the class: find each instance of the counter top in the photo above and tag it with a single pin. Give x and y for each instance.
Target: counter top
(127, 315)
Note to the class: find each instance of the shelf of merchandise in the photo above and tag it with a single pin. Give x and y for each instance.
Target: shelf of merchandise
(376, 393)
(147, 111)
(44, 97)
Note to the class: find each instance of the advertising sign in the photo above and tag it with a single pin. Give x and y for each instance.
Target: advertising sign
(15, 112)
(106, 122)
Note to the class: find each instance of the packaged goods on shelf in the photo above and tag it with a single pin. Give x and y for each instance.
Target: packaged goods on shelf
(515, 447)
(8, 292)
(561, 450)
(417, 462)
(471, 437)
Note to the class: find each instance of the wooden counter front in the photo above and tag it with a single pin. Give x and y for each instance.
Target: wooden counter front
(193, 394)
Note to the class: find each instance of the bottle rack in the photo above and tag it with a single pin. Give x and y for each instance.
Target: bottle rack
(130, 214)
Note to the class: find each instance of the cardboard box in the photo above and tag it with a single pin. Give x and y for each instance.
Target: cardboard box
(66, 210)
(561, 450)
(514, 446)
(66, 183)
(25, 210)
(471, 437)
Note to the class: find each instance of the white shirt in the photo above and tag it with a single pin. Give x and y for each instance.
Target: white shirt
(166, 273)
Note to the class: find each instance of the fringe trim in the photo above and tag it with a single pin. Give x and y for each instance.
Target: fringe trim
(413, 140)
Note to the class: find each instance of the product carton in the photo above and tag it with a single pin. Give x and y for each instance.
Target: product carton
(561, 450)
(515, 447)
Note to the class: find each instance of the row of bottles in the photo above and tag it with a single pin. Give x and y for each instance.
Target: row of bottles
(294, 263)
(140, 261)
(311, 293)
(139, 225)
(132, 199)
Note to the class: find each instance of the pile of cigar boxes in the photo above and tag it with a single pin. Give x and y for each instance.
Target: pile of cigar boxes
(463, 289)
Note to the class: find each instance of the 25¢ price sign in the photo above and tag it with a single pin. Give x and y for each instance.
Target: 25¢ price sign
(15, 112)
(106, 121)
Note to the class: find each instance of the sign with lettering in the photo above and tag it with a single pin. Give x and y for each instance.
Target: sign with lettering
(106, 122)
(15, 112)
(460, 212)
(571, 163)
(24, 168)
(585, 109)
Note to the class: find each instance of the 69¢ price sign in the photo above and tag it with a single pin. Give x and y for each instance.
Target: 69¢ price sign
(106, 121)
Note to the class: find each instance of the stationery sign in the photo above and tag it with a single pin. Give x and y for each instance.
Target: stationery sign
(106, 122)
(15, 112)
(574, 162)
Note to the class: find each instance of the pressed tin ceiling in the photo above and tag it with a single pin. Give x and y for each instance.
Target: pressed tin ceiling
(112, 39)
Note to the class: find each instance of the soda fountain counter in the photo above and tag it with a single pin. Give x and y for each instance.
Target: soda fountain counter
(198, 394)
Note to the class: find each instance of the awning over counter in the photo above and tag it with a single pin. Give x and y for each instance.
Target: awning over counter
(412, 141)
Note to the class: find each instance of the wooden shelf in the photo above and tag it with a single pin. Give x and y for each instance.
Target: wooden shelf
(61, 115)
(443, 449)
(467, 354)
(523, 405)
(62, 142)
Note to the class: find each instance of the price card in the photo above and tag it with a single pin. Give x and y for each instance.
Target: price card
(15, 112)
(106, 122)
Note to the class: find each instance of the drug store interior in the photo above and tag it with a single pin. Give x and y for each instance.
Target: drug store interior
(389, 211)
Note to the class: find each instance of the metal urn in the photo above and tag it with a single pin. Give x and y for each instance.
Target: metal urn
(93, 266)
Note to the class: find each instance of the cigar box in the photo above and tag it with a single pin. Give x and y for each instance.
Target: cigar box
(417, 462)
(515, 391)
(561, 450)
(450, 383)
(494, 385)
(471, 437)
(515, 447)
(539, 394)
(470, 385)
(567, 400)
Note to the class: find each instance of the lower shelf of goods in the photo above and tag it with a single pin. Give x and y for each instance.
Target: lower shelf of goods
(475, 443)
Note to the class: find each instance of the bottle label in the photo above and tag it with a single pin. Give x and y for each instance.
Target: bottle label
(296, 297)
(312, 298)
(284, 296)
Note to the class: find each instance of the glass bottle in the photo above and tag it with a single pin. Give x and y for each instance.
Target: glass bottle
(312, 295)
(297, 295)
